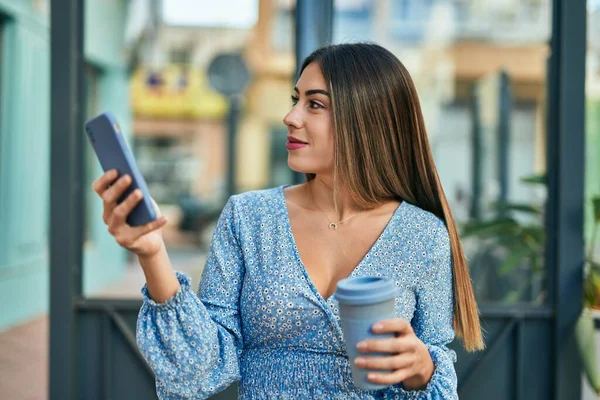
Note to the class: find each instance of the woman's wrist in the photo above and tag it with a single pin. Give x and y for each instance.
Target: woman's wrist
(420, 380)
(161, 279)
(151, 258)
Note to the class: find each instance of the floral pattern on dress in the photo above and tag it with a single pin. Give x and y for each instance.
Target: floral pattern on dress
(257, 317)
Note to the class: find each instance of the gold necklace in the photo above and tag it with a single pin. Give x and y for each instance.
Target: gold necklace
(332, 225)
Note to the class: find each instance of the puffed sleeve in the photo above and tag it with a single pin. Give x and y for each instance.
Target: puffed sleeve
(433, 318)
(193, 341)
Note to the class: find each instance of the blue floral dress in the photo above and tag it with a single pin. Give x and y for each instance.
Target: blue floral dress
(257, 318)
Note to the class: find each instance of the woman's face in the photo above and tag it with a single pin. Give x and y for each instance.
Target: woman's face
(310, 128)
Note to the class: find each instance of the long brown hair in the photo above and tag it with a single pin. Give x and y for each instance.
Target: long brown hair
(382, 151)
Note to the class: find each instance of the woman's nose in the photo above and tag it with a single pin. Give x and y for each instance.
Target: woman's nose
(292, 119)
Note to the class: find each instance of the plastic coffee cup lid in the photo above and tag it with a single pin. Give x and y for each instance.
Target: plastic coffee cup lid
(365, 290)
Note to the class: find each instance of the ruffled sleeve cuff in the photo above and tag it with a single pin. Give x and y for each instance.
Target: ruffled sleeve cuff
(443, 383)
(179, 298)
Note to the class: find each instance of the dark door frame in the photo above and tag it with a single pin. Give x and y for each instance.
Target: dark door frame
(565, 173)
(66, 193)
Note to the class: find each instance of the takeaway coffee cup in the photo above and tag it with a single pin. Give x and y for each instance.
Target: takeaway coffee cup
(363, 301)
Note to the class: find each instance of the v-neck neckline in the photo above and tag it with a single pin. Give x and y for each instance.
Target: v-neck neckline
(292, 239)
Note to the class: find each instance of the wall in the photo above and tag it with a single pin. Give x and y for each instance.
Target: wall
(25, 150)
(24, 169)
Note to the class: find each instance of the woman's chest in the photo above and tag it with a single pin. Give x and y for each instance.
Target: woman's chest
(329, 256)
(330, 252)
(280, 304)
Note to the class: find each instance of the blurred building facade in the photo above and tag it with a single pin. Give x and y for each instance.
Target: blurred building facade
(182, 54)
(449, 47)
(462, 54)
(176, 128)
(25, 148)
(180, 122)
(154, 78)
(480, 67)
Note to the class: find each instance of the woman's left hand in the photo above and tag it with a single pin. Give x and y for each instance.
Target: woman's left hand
(409, 359)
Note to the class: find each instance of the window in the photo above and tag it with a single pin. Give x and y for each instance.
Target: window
(180, 55)
(92, 83)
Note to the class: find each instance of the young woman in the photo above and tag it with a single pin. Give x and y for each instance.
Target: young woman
(264, 312)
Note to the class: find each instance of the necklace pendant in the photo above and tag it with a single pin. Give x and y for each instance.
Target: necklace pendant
(333, 226)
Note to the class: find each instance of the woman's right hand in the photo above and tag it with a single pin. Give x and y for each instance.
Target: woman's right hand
(145, 240)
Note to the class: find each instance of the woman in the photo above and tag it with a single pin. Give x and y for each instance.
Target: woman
(264, 313)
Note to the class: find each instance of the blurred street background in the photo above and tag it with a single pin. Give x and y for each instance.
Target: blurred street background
(167, 70)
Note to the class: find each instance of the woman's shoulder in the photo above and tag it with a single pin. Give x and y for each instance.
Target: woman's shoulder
(422, 222)
(254, 200)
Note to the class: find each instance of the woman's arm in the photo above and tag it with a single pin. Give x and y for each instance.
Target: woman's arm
(434, 315)
(193, 342)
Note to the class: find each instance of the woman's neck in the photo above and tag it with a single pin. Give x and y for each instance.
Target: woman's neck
(320, 191)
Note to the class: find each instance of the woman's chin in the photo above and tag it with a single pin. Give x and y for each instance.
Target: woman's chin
(301, 168)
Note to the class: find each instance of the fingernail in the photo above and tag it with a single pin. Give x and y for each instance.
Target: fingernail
(361, 346)
(360, 362)
(372, 376)
(378, 326)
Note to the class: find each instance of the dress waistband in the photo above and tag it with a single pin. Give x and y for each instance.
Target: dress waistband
(288, 373)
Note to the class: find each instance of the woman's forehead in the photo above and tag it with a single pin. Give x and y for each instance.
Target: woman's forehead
(311, 78)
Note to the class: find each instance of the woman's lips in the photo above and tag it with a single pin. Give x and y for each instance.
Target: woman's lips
(295, 145)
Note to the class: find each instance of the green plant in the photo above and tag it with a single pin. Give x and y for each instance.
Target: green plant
(585, 329)
(591, 287)
(585, 335)
(523, 246)
(517, 237)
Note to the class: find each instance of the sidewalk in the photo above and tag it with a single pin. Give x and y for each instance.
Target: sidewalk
(24, 353)
(24, 361)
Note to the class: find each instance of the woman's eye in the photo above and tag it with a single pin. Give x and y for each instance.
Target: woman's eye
(311, 104)
(315, 106)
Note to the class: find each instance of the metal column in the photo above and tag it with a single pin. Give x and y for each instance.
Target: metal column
(566, 136)
(66, 222)
(504, 138)
(314, 27)
(476, 157)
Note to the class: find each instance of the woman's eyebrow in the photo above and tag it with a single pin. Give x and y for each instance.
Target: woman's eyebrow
(313, 91)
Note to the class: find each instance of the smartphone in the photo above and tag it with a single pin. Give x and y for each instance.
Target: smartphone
(113, 152)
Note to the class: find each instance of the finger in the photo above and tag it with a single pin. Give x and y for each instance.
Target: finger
(121, 211)
(150, 226)
(101, 184)
(397, 325)
(112, 194)
(390, 363)
(393, 345)
(389, 378)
